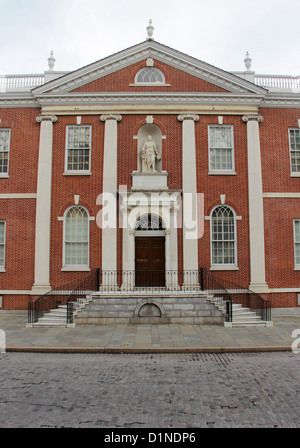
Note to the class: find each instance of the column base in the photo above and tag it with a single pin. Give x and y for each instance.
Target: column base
(259, 288)
(40, 289)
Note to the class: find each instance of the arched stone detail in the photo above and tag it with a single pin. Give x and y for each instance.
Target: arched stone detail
(146, 302)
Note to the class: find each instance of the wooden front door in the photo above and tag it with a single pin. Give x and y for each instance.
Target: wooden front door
(149, 261)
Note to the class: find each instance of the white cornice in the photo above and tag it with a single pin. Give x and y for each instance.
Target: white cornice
(140, 52)
(120, 98)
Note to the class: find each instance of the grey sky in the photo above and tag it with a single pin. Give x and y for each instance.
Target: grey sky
(83, 31)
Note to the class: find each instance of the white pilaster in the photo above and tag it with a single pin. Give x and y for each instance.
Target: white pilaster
(189, 190)
(109, 235)
(43, 206)
(172, 252)
(256, 213)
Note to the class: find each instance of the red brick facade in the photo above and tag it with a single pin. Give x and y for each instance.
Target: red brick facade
(18, 190)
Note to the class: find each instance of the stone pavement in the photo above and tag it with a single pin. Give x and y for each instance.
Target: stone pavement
(147, 338)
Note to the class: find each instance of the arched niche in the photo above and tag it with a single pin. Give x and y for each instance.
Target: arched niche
(143, 133)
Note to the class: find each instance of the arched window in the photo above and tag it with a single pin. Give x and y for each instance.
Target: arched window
(223, 236)
(150, 75)
(149, 222)
(76, 237)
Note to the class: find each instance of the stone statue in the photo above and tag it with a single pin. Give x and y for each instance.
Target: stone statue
(148, 154)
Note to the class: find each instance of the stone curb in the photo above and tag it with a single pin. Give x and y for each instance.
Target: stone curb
(125, 350)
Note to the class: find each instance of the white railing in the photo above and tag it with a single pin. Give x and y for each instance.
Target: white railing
(27, 82)
(282, 82)
(20, 82)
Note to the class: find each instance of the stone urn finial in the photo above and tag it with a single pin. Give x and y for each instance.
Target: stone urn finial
(248, 61)
(150, 30)
(51, 61)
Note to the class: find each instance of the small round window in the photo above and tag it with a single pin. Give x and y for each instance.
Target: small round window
(150, 76)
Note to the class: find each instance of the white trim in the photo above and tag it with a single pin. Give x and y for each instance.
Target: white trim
(282, 290)
(67, 267)
(293, 173)
(297, 265)
(15, 292)
(231, 266)
(6, 174)
(224, 267)
(77, 173)
(150, 84)
(221, 171)
(18, 195)
(282, 195)
(69, 172)
(2, 267)
(141, 52)
(75, 268)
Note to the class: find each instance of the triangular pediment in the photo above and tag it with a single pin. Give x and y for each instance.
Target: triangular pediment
(205, 76)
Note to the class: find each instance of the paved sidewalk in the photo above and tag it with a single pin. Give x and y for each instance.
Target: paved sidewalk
(147, 338)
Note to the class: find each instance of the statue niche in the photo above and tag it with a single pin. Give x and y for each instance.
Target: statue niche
(149, 149)
(149, 154)
(149, 174)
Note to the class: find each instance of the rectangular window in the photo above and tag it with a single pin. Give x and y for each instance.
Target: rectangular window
(294, 135)
(78, 152)
(4, 150)
(221, 158)
(297, 242)
(2, 245)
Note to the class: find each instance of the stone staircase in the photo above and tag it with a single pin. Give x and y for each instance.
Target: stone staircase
(188, 308)
(150, 308)
(57, 317)
(241, 316)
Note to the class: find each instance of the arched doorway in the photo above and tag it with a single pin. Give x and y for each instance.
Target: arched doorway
(150, 259)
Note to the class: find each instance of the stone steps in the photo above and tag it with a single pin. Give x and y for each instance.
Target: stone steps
(241, 316)
(187, 308)
(57, 317)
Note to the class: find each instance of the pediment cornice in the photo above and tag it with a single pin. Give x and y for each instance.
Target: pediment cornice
(140, 52)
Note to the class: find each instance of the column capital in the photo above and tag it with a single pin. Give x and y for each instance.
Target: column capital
(247, 118)
(41, 118)
(187, 116)
(116, 117)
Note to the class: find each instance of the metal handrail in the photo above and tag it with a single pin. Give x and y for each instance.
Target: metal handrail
(156, 282)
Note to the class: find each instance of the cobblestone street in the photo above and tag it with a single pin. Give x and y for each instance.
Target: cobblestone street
(150, 390)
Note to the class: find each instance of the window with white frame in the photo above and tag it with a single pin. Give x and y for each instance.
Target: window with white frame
(294, 137)
(150, 75)
(78, 153)
(4, 150)
(76, 237)
(2, 245)
(223, 236)
(297, 241)
(221, 153)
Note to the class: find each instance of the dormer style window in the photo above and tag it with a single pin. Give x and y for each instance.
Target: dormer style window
(150, 75)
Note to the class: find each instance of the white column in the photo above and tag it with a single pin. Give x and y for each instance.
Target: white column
(189, 190)
(43, 206)
(172, 252)
(128, 253)
(109, 234)
(256, 212)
